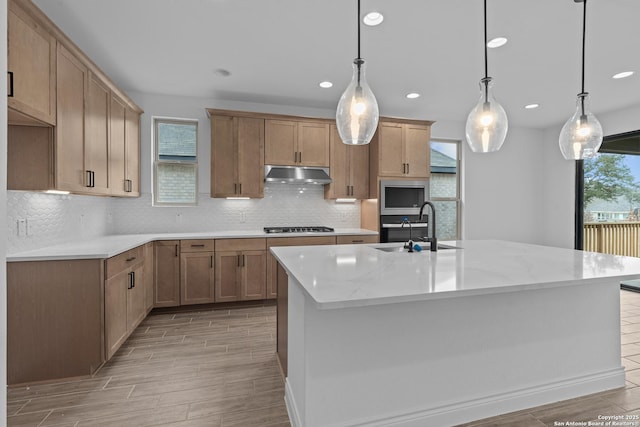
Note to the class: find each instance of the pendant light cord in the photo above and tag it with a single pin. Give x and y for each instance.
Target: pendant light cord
(486, 67)
(584, 32)
(359, 29)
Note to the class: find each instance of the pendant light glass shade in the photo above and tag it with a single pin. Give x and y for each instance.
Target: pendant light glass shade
(581, 135)
(357, 113)
(487, 123)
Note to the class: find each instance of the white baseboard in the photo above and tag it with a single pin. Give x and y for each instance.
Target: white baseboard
(488, 406)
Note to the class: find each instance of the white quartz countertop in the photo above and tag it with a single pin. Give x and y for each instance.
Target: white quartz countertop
(360, 275)
(108, 246)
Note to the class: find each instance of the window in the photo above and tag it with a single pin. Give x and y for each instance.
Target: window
(444, 187)
(175, 180)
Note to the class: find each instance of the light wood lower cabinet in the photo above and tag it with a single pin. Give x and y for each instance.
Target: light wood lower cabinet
(240, 269)
(272, 263)
(124, 301)
(148, 276)
(196, 272)
(54, 319)
(166, 273)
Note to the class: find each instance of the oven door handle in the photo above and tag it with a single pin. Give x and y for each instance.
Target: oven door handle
(413, 224)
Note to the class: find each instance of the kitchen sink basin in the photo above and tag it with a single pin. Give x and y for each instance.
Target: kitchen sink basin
(425, 247)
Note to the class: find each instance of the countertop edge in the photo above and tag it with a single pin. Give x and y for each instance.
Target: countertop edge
(125, 242)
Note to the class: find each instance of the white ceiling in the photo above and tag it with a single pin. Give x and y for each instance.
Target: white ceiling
(279, 50)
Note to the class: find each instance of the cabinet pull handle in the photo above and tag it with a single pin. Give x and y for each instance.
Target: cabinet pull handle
(128, 186)
(197, 246)
(133, 279)
(407, 168)
(93, 179)
(238, 260)
(211, 261)
(88, 179)
(352, 190)
(243, 260)
(240, 185)
(300, 156)
(10, 94)
(176, 250)
(235, 188)
(131, 259)
(129, 285)
(295, 157)
(357, 241)
(348, 190)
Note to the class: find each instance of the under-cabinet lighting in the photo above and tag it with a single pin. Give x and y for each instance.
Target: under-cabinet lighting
(345, 200)
(238, 198)
(56, 192)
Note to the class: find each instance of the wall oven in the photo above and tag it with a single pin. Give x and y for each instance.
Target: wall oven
(402, 197)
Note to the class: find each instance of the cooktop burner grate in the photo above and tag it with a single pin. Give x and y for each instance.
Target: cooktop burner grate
(304, 229)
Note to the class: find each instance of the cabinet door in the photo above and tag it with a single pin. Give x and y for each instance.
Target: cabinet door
(417, 150)
(254, 270)
(227, 272)
(359, 171)
(71, 84)
(197, 279)
(390, 153)
(338, 167)
(313, 144)
(250, 156)
(148, 276)
(117, 156)
(223, 156)
(96, 140)
(280, 142)
(166, 273)
(115, 311)
(136, 298)
(132, 153)
(32, 60)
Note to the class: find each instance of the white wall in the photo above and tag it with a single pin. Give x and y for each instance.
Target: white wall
(501, 190)
(3, 215)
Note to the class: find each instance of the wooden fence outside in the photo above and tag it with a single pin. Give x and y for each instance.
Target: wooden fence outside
(617, 238)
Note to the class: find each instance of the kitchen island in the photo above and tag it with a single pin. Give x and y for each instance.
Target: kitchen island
(440, 338)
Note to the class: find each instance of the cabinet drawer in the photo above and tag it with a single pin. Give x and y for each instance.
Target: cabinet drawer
(125, 260)
(302, 241)
(347, 240)
(196, 245)
(241, 244)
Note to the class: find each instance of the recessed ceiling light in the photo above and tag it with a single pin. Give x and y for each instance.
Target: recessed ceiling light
(413, 95)
(373, 18)
(325, 85)
(222, 72)
(531, 106)
(497, 42)
(623, 74)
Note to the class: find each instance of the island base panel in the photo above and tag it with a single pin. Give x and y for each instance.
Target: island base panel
(448, 361)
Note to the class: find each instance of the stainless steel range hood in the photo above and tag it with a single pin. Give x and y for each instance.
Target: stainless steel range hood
(296, 175)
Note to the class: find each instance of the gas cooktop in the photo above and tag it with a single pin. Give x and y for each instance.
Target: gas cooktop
(312, 229)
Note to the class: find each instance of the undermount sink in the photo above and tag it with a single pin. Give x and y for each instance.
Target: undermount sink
(425, 247)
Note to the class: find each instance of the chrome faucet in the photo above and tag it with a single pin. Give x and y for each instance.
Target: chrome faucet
(433, 240)
(409, 244)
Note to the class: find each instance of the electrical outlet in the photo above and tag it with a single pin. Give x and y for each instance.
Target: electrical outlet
(22, 227)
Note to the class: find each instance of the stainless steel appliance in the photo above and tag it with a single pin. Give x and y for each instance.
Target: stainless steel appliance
(402, 197)
(301, 229)
(392, 230)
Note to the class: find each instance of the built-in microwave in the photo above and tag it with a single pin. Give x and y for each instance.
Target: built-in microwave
(402, 197)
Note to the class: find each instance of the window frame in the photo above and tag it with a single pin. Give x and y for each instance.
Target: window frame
(156, 120)
(458, 198)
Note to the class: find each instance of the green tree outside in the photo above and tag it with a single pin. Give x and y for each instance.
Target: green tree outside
(606, 177)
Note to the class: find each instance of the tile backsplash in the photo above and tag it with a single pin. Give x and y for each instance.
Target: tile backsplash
(53, 219)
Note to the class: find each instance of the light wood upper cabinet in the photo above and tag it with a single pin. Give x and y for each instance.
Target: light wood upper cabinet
(237, 156)
(132, 154)
(349, 169)
(32, 60)
(400, 149)
(240, 269)
(296, 143)
(117, 152)
(96, 140)
(70, 127)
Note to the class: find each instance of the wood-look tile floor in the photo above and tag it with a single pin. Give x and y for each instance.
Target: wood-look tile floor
(218, 368)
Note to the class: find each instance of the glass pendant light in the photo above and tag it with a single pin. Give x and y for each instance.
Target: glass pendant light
(581, 135)
(487, 123)
(357, 113)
